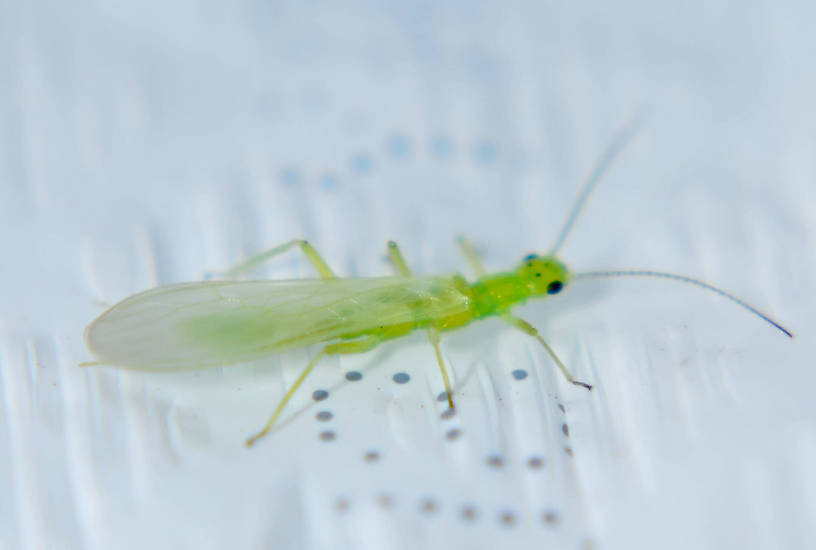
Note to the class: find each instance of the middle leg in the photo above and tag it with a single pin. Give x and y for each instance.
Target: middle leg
(433, 333)
(472, 257)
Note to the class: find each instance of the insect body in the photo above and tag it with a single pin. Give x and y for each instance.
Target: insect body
(225, 322)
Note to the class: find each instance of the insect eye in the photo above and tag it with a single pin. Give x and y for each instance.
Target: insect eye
(554, 287)
(529, 257)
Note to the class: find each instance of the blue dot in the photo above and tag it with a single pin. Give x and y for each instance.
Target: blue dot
(441, 147)
(324, 416)
(484, 152)
(329, 181)
(519, 374)
(320, 395)
(290, 176)
(401, 378)
(353, 376)
(362, 163)
(399, 145)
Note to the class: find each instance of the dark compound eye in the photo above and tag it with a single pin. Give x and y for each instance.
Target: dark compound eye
(554, 287)
(529, 257)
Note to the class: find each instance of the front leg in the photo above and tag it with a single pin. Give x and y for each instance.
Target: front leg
(527, 328)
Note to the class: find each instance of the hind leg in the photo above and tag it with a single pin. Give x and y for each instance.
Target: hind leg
(342, 348)
(308, 250)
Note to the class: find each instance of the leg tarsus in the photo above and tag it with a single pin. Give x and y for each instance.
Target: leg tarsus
(582, 384)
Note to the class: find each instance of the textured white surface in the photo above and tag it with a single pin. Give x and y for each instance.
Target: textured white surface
(147, 143)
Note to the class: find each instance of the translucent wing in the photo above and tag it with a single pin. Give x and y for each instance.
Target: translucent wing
(218, 323)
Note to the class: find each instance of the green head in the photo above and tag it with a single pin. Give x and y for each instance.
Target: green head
(543, 274)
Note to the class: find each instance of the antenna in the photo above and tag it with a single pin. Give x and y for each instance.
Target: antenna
(683, 279)
(621, 139)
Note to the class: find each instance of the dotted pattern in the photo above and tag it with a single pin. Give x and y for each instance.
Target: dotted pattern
(397, 148)
(467, 512)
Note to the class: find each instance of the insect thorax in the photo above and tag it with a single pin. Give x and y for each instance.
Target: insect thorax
(495, 294)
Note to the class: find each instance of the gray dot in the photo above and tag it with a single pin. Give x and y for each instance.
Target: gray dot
(450, 412)
(453, 434)
(568, 451)
(324, 416)
(342, 505)
(496, 461)
(560, 406)
(565, 429)
(371, 456)
(469, 512)
(428, 505)
(508, 518)
(353, 376)
(535, 462)
(550, 517)
(320, 395)
(327, 435)
(519, 374)
(385, 500)
(442, 396)
(401, 378)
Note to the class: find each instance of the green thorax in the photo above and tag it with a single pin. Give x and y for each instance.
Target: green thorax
(495, 294)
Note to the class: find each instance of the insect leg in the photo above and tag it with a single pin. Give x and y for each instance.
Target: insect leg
(526, 327)
(469, 251)
(433, 336)
(433, 333)
(356, 346)
(307, 249)
(396, 258)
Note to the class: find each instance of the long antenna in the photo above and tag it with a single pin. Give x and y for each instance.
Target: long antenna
(621, 139)
(684, 279)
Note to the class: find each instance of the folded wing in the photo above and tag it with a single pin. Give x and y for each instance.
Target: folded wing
(219, 323)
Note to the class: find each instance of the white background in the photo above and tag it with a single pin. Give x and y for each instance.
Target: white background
(146, 143)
